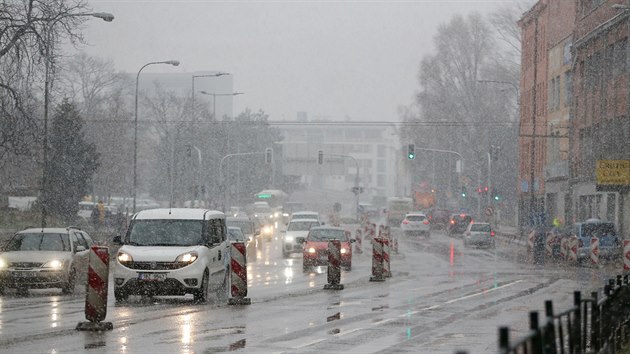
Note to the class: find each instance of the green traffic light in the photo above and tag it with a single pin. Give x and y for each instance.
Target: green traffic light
(463, 195)
(496, 197)
(411, 156)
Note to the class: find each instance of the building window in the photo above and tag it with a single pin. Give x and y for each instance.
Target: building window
(380, 181)
(380, 166)
(380, 151)
(568, 88)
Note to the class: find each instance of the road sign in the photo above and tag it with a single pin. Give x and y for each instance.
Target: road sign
(489, 211)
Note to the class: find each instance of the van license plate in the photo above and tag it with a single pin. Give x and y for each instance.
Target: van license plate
(152, 276)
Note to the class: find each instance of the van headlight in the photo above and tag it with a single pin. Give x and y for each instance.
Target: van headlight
(3, 264)
(289, 238)
(124, 257)
(343, 251)
(54, 264)
(187, 257)
(311, 250)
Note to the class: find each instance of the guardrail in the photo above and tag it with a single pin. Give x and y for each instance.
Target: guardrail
(599, 325)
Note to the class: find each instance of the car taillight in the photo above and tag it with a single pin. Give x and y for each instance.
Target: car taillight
(405, 221)
(426, 222)
(492, 233)
(453, 222)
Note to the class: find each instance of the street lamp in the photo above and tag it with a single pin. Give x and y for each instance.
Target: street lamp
(193, 87)
(135, 129)
(48, 48)
(214, 98)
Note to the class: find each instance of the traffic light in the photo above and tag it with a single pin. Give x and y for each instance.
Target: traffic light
(464, 192)
(268, 156)
(320, 157)
(411, 153)
(496, 196)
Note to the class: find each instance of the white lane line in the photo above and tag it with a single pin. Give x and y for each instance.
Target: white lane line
(348, 332)
(383, 321)
(310, 343)
(482, 292)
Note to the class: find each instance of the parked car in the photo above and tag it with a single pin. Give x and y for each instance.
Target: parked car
(610, 246)
(45, 258)
(416, 224)
(315, 250)
(295, 234)
(479, 234)
(172, 252)
(458, 224)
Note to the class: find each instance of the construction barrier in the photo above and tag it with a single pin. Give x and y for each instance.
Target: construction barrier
(572, 248)
(549, 244)
(594, 250)
(334, 266)
(377, 260)
(238, 274)
(386, 252)
(564, 248)
(96, 291)
(372, 232)
(358, 243)
(626, 255)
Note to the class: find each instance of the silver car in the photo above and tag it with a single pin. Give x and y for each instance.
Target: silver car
(44, 258)
(480, 235)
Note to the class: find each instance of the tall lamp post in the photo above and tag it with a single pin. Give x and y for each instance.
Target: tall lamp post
(214, 98)
(193, 87)
(135, 129)
(48, 48)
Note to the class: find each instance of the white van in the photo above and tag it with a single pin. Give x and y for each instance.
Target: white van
(173, 252)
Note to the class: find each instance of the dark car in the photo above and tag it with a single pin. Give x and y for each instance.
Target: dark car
(458, 223)
(439, 218)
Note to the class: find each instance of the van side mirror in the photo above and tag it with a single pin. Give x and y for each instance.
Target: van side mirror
(117, 240)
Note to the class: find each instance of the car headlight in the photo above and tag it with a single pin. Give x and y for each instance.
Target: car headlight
(289, 238)
(188, 257)
(311, 250)
(285, 215)
(124, 257)
(276, 214)
(3, 264)
(344, 251)
(54, 264)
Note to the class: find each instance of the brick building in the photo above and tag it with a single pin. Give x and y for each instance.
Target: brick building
(575, 110)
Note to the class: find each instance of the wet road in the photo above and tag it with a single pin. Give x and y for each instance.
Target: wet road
(441, 298)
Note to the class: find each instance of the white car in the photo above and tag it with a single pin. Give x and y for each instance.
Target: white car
(416, 224)
(173, 252)
(479, 234)
(306, 215)
(45, 258)
(296, 233)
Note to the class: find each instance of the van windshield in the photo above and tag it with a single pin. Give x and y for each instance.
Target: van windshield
(166, 233)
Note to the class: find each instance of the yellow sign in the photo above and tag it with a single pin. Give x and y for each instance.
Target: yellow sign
(613, 172)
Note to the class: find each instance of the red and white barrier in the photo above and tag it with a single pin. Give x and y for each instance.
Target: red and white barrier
(564, 248)
(238, 274)
(372, 232)
(549, 245)
(358, 242)
(334, 266)
(96, 291)
(594, 250)
(573, 248)
(377, 260)
(386, 252)
(626, 255)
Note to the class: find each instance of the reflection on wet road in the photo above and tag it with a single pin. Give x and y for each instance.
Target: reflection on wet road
(442, 297)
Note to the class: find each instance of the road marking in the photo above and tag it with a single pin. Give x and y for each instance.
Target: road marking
(348, 332)
(482, 292)
(310, 343)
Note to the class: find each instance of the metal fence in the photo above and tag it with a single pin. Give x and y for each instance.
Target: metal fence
(598, 325)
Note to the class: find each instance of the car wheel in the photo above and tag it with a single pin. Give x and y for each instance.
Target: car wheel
(68, 288)
(120, 295)
(201, 294)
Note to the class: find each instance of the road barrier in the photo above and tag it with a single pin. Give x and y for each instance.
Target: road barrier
(573, 248)
(626, 255)
(549, 240)
(386, 260)
(377, 260)
(358, 243)
(596, 325)
(334, 266)
(530, 240)
(238, 274)
(96, 291)
(594, 250)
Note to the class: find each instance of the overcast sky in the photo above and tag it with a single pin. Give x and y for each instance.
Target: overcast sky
(332, 59)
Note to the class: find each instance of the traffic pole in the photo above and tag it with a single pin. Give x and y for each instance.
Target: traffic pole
(358, 246)
(96, 291)
(334, 266)
(238, 274)
(594, 250)
(377, 260)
